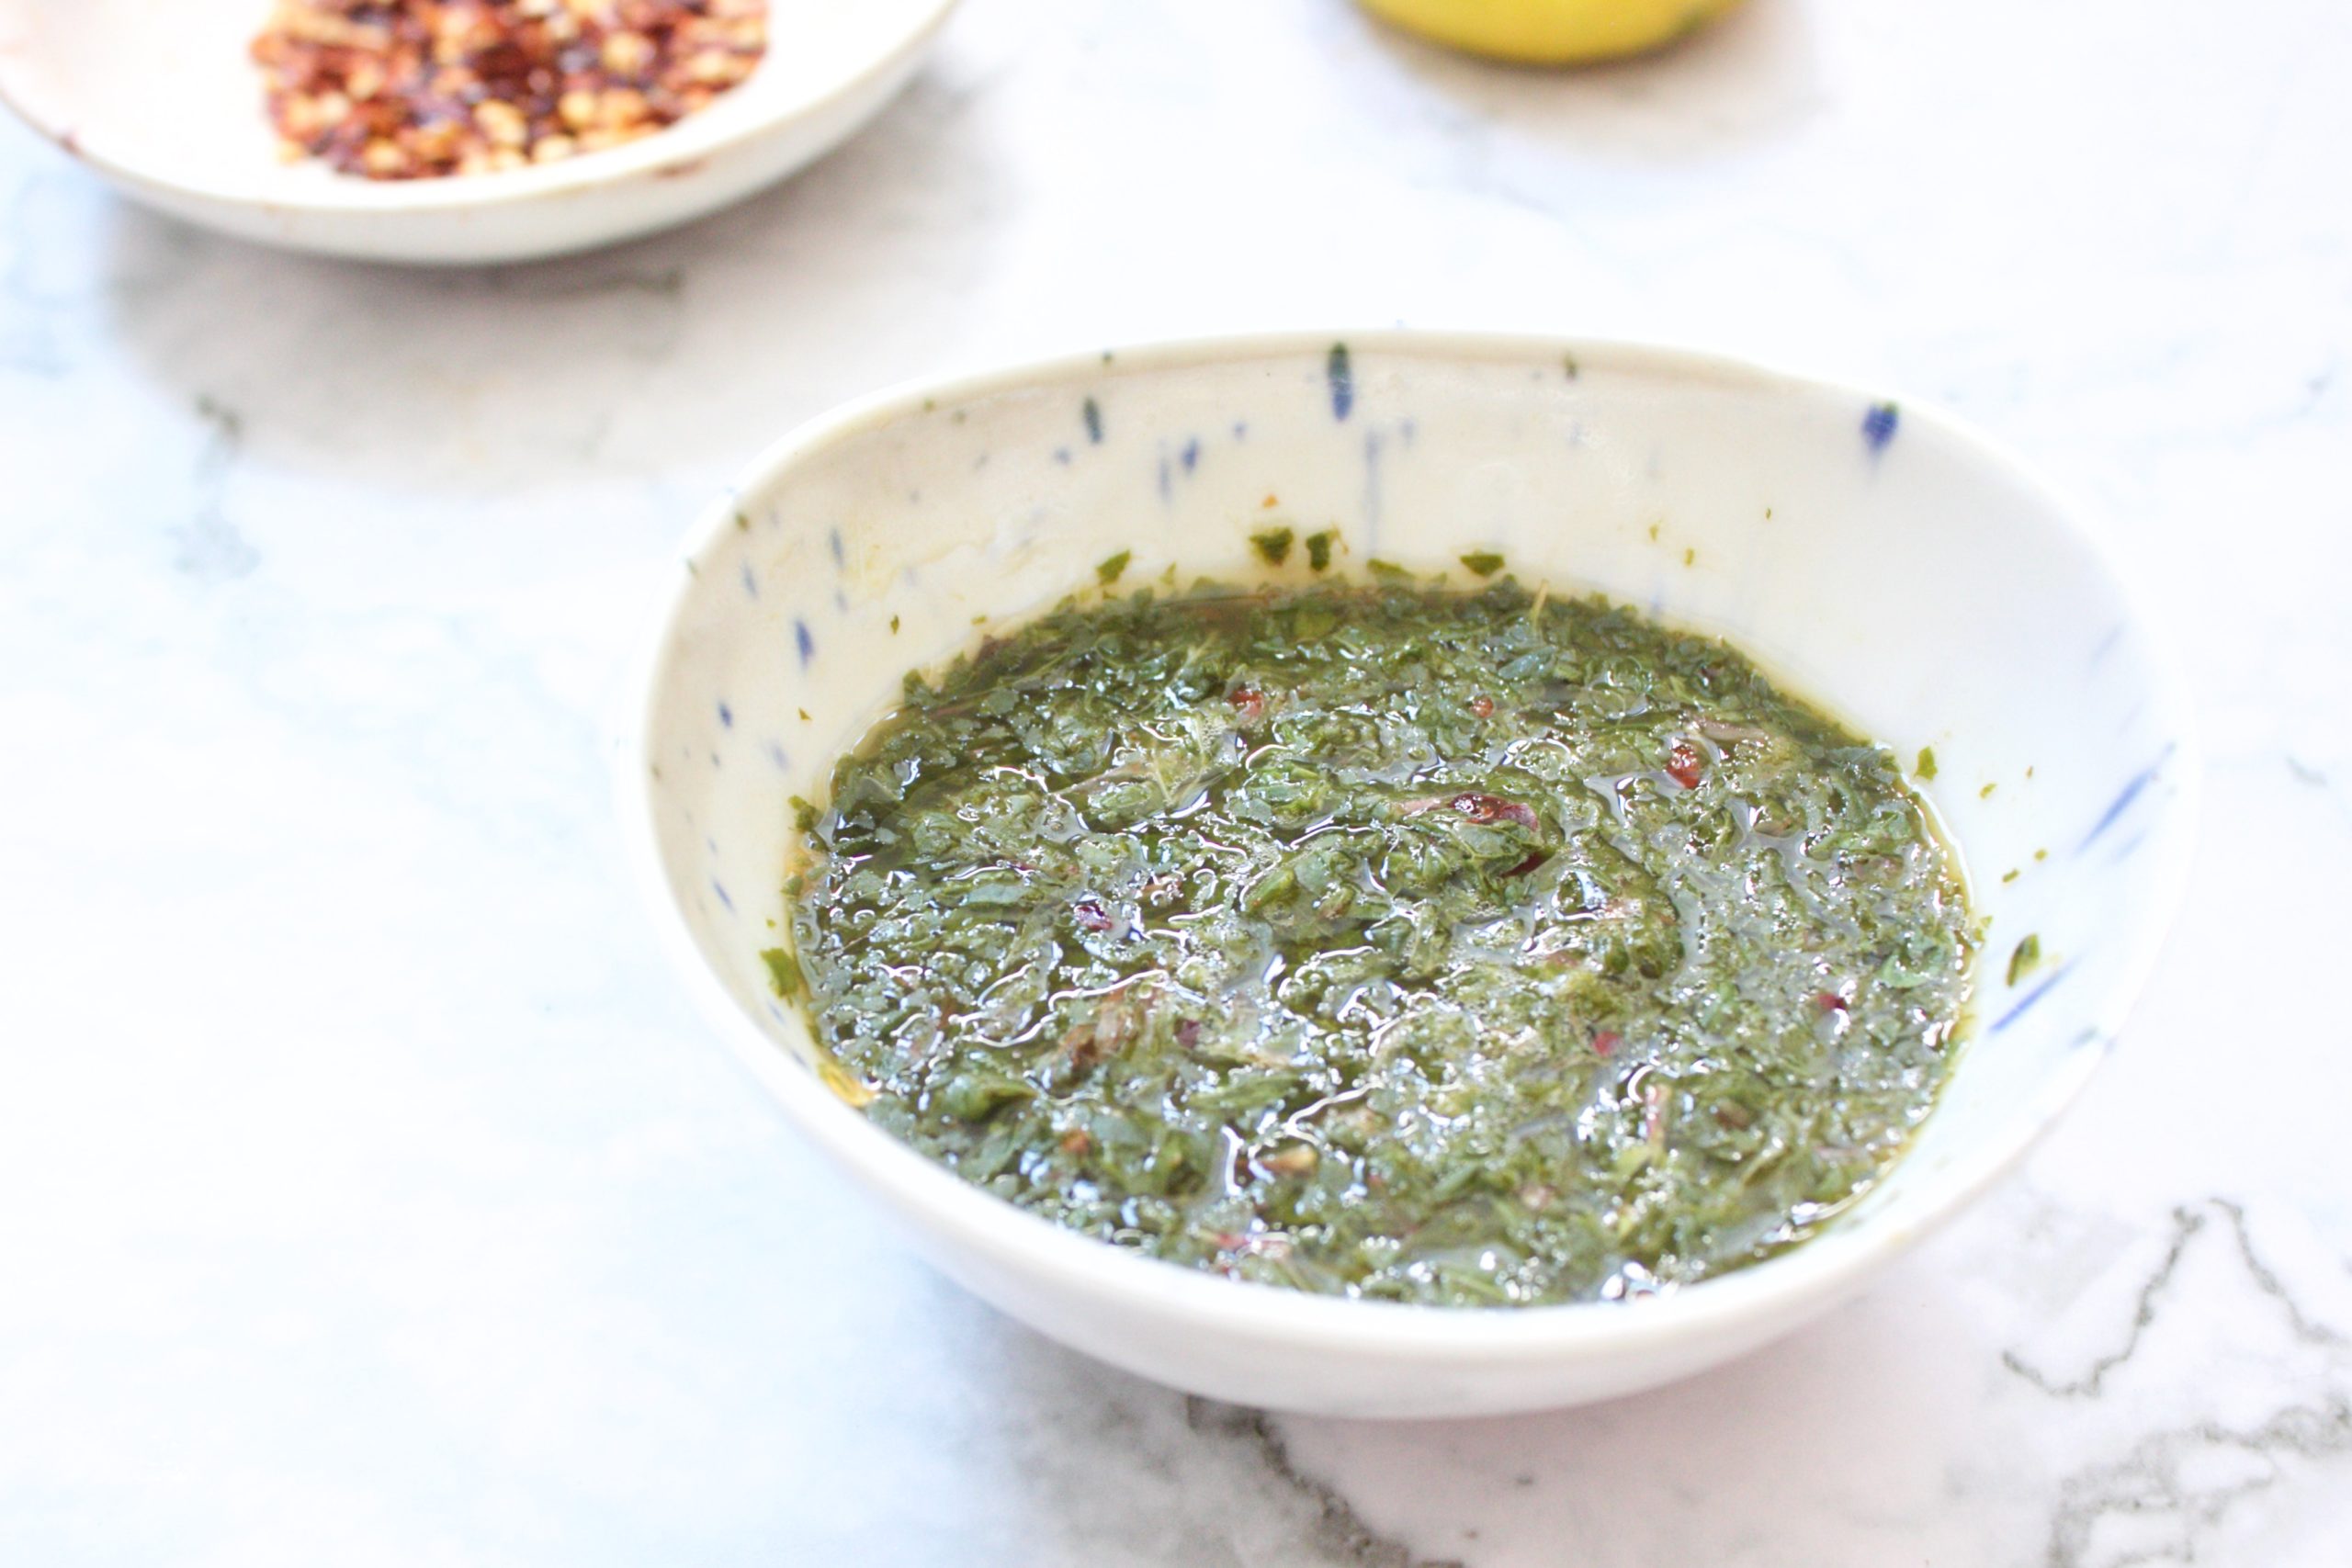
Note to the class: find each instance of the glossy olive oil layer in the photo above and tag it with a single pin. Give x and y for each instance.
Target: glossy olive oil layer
(1390, 943)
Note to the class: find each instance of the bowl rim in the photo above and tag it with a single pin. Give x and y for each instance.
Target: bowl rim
(1821, 1269)
(675, 150)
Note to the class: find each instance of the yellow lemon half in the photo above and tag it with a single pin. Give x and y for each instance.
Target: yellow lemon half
(1550, 32)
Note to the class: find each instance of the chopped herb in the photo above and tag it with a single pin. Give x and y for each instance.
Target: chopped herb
(784, 973)
(742, 523)
(2011, 874)
(1112, 566)
(1319, 549)
(1272, 544)
(1926, 766)
(1387, 570)
(1986, 793)
(2023, 960)
(894, 623)
(1691, 556)
(1485, 563)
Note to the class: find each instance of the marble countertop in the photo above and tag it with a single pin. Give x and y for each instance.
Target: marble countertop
(367, 1193)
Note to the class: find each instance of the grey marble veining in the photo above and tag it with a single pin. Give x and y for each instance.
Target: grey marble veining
(370, 1195)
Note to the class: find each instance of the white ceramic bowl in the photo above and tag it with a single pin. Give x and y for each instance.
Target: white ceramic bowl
(160, 98)
(1881, 559)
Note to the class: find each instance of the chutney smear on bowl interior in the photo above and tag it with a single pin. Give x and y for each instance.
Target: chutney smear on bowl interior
(1465, 948)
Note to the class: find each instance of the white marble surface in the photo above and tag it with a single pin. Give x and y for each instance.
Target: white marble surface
(367, 1194)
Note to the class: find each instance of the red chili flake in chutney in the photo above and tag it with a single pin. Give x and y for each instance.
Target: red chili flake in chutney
(1486, 809)
(1683, 764)
(1248, 702)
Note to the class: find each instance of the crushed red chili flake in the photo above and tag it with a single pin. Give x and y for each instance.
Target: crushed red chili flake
(1683, 763)
(1605, 1043)
(1830, 1001)
(1484, 707)
(1249, 703)
(1091, 915)
(417, 89)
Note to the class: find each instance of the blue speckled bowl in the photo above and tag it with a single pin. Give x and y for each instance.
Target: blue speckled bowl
(1878, 558)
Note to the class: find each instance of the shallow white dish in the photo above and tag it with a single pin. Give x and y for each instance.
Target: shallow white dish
(160, 98)
(1881, 559)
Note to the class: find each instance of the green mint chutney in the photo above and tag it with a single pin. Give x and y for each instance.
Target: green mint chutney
(1393, 943)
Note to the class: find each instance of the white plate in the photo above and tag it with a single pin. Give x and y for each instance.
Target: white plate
(1880, 558)
(160, 98)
